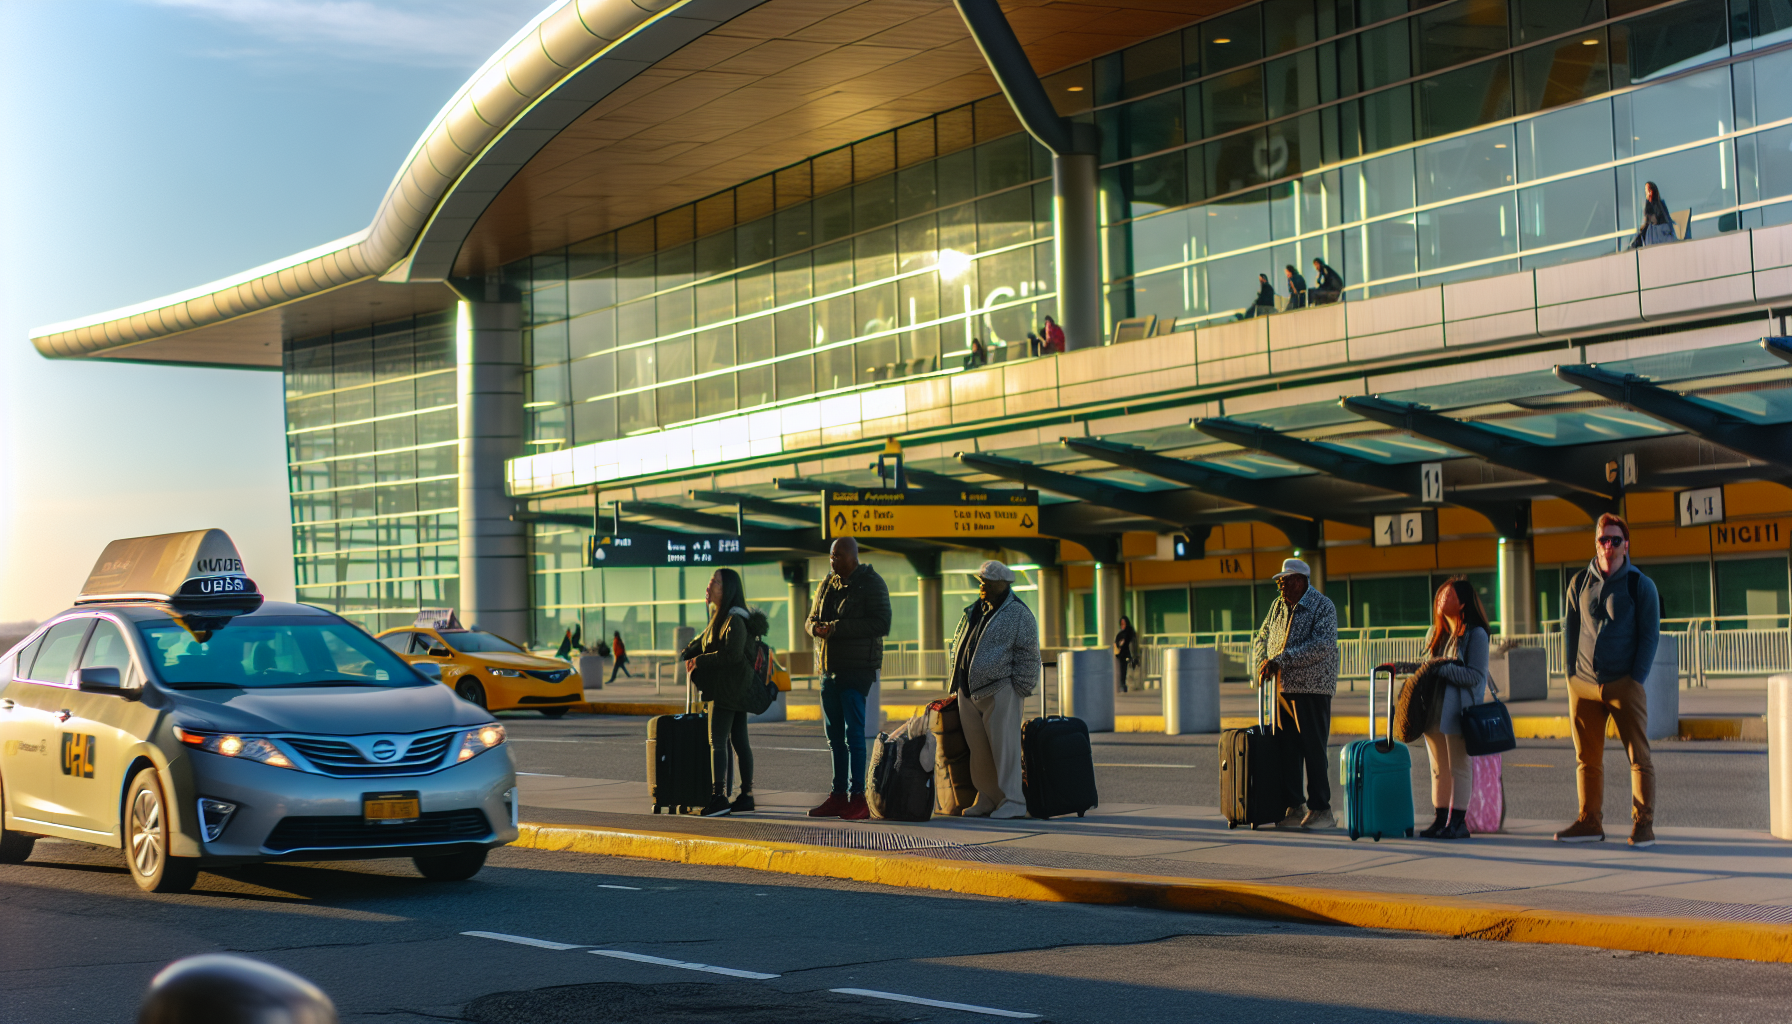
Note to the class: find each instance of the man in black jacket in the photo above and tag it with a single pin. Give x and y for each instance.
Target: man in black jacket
(850, 618)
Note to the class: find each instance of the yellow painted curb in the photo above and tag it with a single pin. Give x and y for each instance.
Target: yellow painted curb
(1729, 940)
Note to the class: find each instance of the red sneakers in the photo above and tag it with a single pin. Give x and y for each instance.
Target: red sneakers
(856, 809)
(832, 806)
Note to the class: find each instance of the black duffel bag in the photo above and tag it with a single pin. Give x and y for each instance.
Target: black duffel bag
(1487, 727)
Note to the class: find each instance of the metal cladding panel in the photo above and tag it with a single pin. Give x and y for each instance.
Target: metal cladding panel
(1398, 312)
(1577, 316)
(1699, 259)
(1307, 357)
(1772, 246)
(1490, 296)
(1571, 282)
(1302, 327)
(1699, 296)
(1397, 343)
(976, 385)
(1499, 327)
(1227, 341)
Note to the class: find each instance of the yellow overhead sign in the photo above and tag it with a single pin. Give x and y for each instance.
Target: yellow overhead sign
(877, 512)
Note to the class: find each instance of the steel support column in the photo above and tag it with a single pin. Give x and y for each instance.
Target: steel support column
(1109, 579)
(494, 564)
(1315, 559)
(932, 598)
(1518, 586)
(796, 575)
(1051, 606)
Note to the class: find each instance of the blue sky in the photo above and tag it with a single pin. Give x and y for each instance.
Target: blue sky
(154, 146)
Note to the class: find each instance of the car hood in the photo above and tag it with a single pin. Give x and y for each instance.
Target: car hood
(330, 710)
(528, 661)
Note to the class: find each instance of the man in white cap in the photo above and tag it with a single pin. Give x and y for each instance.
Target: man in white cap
(995, 667)
(1296, 651)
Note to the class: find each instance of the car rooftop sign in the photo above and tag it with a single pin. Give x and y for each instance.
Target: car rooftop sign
(199, 567)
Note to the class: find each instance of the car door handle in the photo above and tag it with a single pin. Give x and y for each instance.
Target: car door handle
(64, 715)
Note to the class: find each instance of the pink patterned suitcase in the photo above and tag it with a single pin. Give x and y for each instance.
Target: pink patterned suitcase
(1487, 794)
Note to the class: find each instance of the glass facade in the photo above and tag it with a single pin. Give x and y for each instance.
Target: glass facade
(371, 441)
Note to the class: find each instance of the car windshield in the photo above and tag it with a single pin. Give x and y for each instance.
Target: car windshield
(480, 643)
(267, 652)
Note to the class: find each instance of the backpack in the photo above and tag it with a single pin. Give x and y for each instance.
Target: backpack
(762, 688)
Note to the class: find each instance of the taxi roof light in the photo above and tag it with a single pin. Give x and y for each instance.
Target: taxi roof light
(199, 573)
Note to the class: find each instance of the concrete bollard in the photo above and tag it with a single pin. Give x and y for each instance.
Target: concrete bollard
(591, 670)
(1086, 687)
(1662, 690)
(1521, 673)
(1779, 756)
(1191, 690)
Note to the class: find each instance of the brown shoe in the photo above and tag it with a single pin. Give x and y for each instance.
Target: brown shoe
(1643, 834)
(1581, 832)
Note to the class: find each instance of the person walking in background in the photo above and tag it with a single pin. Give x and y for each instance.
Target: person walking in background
(1296, 651)
(720, 664)
(1328, 284)
(621, 653)
(850, 618)
(1297, 288)
(1611, 627)
(1053, 336)
(1126, 650)
(995, 667)
(1459, 635)
(1658, 223)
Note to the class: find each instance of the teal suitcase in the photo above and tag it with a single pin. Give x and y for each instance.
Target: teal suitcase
(1377, 777)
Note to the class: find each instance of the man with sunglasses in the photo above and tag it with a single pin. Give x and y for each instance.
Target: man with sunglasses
(1612, 627)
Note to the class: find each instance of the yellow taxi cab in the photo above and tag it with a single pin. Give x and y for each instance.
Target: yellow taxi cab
(484, 668)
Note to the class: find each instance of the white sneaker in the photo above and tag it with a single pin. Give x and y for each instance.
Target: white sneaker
(1010, 809)
(1318, 819)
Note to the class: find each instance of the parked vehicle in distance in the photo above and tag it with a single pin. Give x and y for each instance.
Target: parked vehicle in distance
(176, 715)
(484, 668)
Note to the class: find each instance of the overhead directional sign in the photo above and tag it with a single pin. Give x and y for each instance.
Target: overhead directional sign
(616, 552)
(878, 512)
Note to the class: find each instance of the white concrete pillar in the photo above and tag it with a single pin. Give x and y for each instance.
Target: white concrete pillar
(494, 563)
(1086, 687)
(1779, 755)
(1109, 577)
(1051, 607)
(1191, 690)
(1517, 587)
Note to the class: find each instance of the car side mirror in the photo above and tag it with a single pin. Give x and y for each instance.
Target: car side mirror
(100, 680)
(440, 651)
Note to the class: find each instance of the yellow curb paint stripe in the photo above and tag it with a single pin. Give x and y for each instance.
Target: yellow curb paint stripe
(1729, 940)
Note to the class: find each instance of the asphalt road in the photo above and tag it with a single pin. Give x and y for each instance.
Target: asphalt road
(1714, 784)
(79, 943)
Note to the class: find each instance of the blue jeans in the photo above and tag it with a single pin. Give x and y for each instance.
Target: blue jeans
(843, 719)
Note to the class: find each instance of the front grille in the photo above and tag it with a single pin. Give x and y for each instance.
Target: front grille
(553, 677)
(344, 832)
(339, 757)
(568, 698)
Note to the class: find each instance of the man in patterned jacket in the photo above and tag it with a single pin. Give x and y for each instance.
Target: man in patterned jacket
(995, 667)
(1296, 651)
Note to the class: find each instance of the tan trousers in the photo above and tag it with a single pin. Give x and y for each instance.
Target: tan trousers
(992, 732)
(1623, 701)
(1450, 778)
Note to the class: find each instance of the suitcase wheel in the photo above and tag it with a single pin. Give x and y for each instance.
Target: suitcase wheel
(1409, 833)
(1079, 814)
(1230, 825)
(1378, 837)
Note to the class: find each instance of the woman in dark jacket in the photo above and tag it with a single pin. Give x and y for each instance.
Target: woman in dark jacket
(720, 663)
(1458, 642)
(1126, 650)
(1655, 215)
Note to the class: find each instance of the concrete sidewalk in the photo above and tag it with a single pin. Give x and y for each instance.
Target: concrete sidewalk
(1691, 874)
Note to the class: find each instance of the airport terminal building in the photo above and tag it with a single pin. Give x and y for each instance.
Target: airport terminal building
(672, 268)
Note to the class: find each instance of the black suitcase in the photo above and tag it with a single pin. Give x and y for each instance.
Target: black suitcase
(1251, 788)
(901, 789)
(1057, 766)
(678, 760)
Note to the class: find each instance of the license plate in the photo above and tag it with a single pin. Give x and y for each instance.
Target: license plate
(389, 808)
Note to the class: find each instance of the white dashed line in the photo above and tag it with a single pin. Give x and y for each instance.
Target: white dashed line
(941, 1003)
(630, 888)
(533, 739)
(682, 965)
(524, 940)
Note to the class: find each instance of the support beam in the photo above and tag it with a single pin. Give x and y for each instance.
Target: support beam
(494, 558)
(1051, 607)
(810, 514)
(1769, 443)
(1781, 347)
(1170, 508)
(796, 578)
(1075, 146)
(1271, 495)
(1580, 468)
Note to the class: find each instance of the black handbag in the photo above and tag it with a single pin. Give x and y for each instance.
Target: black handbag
(1487, 727)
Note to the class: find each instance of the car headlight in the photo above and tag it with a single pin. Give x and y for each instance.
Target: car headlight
(249, 748)
(508, 673)
(478, 741)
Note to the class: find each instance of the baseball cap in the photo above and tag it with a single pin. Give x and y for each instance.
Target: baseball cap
(1293, 567)
(994, 570)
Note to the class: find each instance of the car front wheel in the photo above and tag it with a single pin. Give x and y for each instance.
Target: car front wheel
(470, 691)
(452, 867)
(147, 839)
(553, 712)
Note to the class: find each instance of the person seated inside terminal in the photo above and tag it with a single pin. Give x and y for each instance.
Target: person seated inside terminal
(1328, 284)
(1264, 303)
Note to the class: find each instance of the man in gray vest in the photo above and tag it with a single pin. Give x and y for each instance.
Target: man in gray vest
(1612, 625)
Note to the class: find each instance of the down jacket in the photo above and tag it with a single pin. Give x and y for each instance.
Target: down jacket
(724, 669)
(1007, 651)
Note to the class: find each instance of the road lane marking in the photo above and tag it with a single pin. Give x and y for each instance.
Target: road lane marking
(535, 739)
(683, 965)
(1099, 764)
(524, 940)
(630, 888)
(941, 1003)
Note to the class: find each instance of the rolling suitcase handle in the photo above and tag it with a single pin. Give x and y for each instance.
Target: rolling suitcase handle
(1390, 668)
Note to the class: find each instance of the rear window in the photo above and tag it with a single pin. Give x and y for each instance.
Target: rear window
(270, 652)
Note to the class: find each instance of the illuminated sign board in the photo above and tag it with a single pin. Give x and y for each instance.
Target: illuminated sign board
(877, 512)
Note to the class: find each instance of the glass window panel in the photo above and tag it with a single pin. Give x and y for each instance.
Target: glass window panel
(958, 228)
(794, 330)
(1387, 185)
(1288, 24)
(1160, 241)
(594, 421)
(677, 403)
(1476, 230)
(1702, 179)
(1291, 83)
(795, 377)
(835, 368)
(714, 349)
(431, 427)
(875, 309)
(754, 387)
(833, 319)
(635, 280)
(915, 192)
(833, 268)
(1223, 609)
(1232, 101)
(674, 267)
(753, 290)
(1004, 163)
(1152, 65)
(1237, 223)
(1685, 588)
(353, 358)
(1465, 165)
(795, 228)
(1570, 209)
(1150, 125)
(1229, 283)
(1235, 162)
(1678, 112)
(635, 321)
(1232, 39)
(1466, 97)
(917, 243)
(1291, 146)
(1156, 183)
(874, 255)
(833, 216)
(1682, 36)
(1773, 86)
(635, 412)
(1392, 248)
(715, 254)
(1540, 19)
(1752, 587)
(1386, 54)
(957, 177)
(634, 367)
(674, 311)
(546, 305)
(1164, 295)
(795, 281)
(1387, 119)
(354, 405)
(1460, 32)
(753, 340)
(1562, 72)
(1005, 219)
(715, 395)
(674, 359)
(715, 301)
(1563, 141)
(1773, 155)
(591, 293)
(874, 203)
(754, 242)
